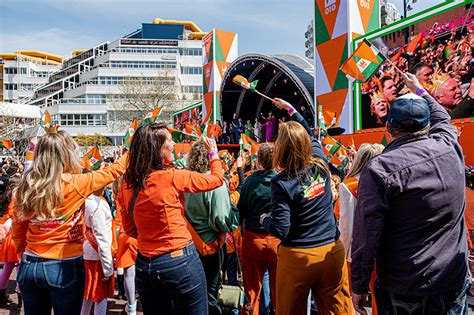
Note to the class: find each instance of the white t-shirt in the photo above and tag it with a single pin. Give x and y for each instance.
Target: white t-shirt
(98, 217)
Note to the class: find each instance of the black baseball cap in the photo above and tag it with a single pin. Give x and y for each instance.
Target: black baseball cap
(409, 113)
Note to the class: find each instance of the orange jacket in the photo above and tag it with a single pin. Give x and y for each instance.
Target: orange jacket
(160, 225)
(62, 236)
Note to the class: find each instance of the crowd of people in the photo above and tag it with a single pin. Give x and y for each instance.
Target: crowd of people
(444, 66)
(262, 129)
(393, 226)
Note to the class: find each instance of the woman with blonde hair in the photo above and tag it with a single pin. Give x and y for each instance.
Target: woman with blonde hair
(348, 201)
(310, 256)
(169, 275)
(48, 224)
(210, 217)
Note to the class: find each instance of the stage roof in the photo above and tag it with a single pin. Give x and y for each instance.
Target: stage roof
(289, 77)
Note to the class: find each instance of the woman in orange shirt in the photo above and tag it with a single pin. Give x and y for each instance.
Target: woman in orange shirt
(48, 225)
(169, 275)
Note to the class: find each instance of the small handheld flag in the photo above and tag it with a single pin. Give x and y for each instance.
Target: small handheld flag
(251, 86)
(193, 130)
(152, 116)
(131, 130)
(46, 120)
(243, 82)
(364, 62)
(92, 159)
(327, 118)
(247, 143)
(176, 133)
(47, 124)
(5, 144)
(335, 152)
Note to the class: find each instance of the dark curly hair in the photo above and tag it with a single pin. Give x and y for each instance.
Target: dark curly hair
(198, 158)
(145, 154)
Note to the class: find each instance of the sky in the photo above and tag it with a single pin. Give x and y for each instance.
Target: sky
(62, 26)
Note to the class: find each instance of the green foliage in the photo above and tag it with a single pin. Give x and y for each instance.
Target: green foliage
(96, 139)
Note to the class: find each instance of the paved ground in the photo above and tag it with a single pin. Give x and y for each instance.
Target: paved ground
(115, 306)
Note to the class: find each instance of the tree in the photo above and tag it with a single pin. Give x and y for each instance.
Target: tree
(140, 95)
(96, 139)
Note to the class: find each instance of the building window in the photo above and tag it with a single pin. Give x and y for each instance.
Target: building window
(191, 70)
(192, 89)
(142, 64)
(11, 70)
(83, 119)
(11, 86)
(26, 87)
(190, 51)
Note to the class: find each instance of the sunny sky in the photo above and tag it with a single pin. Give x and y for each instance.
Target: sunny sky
(62, 26)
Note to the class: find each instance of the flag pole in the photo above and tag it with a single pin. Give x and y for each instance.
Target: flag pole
(393, 64)
(388, 59)
(263, 95)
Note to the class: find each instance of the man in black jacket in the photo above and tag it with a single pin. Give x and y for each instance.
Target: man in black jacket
(409, 219)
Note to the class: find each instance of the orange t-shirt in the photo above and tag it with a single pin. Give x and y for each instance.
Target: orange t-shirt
(62, 236)
(160, 226)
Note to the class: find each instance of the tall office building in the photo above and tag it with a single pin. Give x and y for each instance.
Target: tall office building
(101, 89)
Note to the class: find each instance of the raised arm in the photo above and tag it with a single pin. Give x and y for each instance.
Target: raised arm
(193, 182)
(294, 115)
(87, 183)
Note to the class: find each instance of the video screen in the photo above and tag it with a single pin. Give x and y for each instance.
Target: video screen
(439, 51)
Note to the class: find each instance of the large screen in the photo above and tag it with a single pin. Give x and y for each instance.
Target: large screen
(438, 48)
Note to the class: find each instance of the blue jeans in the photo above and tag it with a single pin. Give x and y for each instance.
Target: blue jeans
(451, 302)
(172, 283)
(265, 302)
(46, 283)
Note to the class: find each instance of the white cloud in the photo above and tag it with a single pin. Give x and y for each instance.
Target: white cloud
(53, 40)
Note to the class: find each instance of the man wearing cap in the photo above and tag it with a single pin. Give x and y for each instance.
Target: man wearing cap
(409, 219)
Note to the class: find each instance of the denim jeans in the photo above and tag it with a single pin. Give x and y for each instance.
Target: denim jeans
(172, 283)
(265, 302)
(451, 302)
(46, 283)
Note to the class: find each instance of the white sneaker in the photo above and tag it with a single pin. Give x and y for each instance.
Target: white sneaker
(131, 309)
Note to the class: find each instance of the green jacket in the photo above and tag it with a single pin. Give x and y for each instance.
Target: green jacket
(210, 213)
(255, 199)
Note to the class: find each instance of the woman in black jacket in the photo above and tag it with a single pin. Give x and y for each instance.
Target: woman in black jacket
(311, 256)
